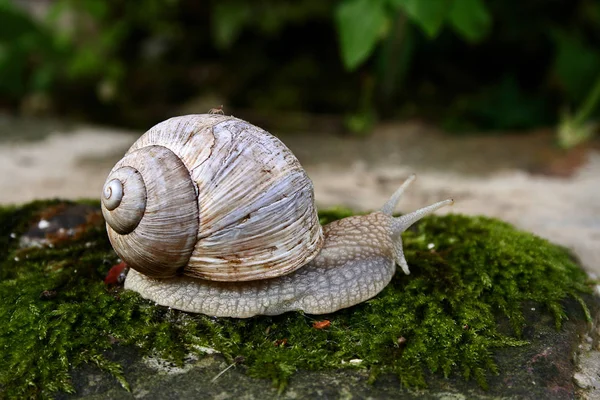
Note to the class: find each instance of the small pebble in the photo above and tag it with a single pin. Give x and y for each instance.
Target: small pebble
(43, 224)
(583, 381)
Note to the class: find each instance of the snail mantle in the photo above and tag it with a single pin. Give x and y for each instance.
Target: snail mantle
(216, 216)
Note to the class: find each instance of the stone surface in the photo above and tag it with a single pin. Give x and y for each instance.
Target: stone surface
(60, 222)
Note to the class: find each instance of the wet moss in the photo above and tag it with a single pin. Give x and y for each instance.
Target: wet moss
(467, 274)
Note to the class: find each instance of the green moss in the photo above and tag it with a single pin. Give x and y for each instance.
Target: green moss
(467, 274)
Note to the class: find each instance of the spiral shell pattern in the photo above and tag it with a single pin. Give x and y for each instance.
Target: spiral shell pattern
(219, 198)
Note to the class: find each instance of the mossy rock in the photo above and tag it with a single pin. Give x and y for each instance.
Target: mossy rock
(483, 302)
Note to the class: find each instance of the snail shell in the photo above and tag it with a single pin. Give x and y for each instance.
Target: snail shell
(211, 197)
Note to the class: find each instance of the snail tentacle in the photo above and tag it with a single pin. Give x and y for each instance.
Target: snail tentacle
(389, 207)
(404, 222)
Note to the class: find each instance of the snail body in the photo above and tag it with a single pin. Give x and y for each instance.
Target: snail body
(216, 216)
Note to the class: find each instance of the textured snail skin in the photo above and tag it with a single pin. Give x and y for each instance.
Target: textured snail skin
(357, 260)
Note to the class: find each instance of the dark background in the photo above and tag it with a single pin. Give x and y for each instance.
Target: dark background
(466, 65)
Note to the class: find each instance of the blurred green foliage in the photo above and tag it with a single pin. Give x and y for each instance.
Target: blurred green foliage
(363, 23)
(467, 64)
(19, 38)
(76, 43)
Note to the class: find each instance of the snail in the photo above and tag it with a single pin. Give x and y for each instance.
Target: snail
(216, 216)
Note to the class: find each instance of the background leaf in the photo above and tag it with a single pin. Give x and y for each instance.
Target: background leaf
(359, 25)
(470, 19)
(576, 65)
(429, 15)
(228, 21)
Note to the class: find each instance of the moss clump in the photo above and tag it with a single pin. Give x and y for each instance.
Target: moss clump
(466, 274)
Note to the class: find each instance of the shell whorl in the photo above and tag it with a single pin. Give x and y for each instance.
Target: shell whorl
(112, 194)
(153, 227)
(255, 204)
(124, 199)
